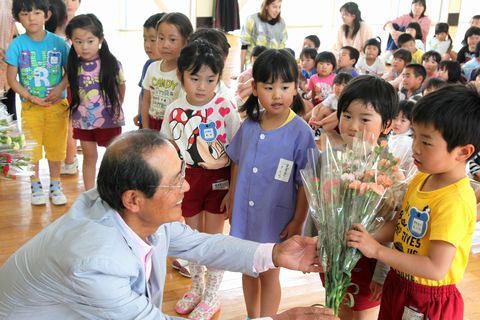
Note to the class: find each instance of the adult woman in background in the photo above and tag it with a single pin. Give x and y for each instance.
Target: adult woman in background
(397, 26)
(354, 31)
(265, 28)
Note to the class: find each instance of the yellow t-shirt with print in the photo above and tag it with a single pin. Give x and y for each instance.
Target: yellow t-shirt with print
(417, 56)
(447, 214)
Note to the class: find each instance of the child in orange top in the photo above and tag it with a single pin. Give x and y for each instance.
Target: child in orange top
(433, 232)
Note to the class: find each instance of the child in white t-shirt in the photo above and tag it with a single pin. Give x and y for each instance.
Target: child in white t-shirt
(400, 140)
(370, 62)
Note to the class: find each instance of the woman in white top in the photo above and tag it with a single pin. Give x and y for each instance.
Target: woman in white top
(354, 31)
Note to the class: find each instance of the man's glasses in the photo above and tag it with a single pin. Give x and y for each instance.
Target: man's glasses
(181, 179)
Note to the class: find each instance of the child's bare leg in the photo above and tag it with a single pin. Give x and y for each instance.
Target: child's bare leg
(36, 169)
(54, 167)
(270, 292)
(347, 313)
(214, 222)
(369, 314)
(251, 294)
(89, 167)
(71, 145)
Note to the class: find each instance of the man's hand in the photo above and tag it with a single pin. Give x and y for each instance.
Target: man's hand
(306, 313)
(297, 253)
(359, 238)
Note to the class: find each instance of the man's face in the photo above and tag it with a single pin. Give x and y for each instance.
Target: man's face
(166, 204)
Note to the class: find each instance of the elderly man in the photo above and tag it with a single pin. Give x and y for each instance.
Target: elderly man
(106, 258)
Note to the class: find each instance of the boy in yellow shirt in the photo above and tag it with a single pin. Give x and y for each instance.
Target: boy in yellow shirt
(432, 233)
(406, 41)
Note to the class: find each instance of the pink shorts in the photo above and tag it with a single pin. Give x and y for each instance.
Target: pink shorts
(207, 190)
(154, 124)
(102, 136)
(362, 276)
(402, 297)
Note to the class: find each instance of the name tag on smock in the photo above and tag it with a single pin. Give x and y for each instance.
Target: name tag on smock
(409, 314)
(220, 185)
(284, 170)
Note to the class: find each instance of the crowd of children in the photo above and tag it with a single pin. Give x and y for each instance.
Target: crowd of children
(250, 171)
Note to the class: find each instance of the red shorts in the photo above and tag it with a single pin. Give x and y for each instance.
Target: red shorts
(207, 189)
(154, 124)
(102, 136)
(403, 297)
(362, 276)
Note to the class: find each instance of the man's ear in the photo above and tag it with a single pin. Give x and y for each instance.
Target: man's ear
(132, 200)
(465, 152)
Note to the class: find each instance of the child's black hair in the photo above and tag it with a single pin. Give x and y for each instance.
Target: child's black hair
(257, 50)
(377, 42)
(418, 30)
(270, 66)
(454, 111)
(58, 15)
(441, 27)
(180, 21)
(109, 71)
(291, 51)
(432, 54)
(418, 70)
(199, 53)
(29, 5)
(405, 107)
(472, 31)
(371, 90)
(404, 38)
(454, 70)
(213, 36)
(314, 39)
(403, 54)
(352, 53)
(152, 21)
(308, 53)
(342, 78)
(435, 83)
(477, 50)
(326, 56)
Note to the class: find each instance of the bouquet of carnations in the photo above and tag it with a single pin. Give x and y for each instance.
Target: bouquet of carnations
(15, 159)
(361, 183)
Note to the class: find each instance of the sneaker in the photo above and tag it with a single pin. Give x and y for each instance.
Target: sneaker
(71, 168)
(182, 267)
(204, 311)
(38, 198)
(188, 302)
(57, 197)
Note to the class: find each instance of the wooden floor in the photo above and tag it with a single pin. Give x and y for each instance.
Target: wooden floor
(19, 222)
